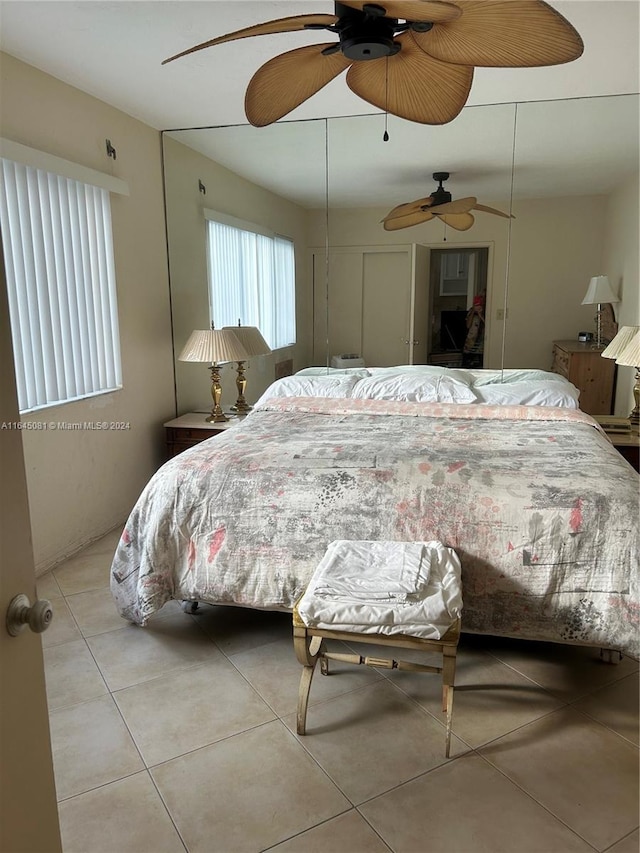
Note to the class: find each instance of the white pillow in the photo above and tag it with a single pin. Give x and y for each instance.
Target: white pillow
(309, 386)
(466, 377)
(415, 388)
(534, 392)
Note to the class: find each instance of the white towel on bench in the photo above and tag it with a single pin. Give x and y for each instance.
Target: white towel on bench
(428, 611)
(373, 570)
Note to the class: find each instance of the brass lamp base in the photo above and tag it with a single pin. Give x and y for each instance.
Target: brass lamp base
(634, 417)
(217, 416)
(241, 407)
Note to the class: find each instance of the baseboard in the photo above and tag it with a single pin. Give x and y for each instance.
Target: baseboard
(46, 565)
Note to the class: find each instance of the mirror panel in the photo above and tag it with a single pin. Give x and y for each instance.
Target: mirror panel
(385, 279)
(254, 175)
(573, 160)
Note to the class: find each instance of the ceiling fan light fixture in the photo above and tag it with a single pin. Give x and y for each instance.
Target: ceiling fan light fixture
(429, 48)
(454, 213)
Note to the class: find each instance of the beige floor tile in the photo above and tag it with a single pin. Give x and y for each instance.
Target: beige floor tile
(576, 768)
(95, 612)
(91, 747)
(185, 710)
(71, 675)
(133, 654)
(372, 739)
(569, 672)
(47, 586)
(274, 671)
(83, 572)
(490, 699)
(238, 629)
(63, 626)
(630, 844)
(348, 833)
(247, 792)
(615, 706)
(467, 807)
(127, 816)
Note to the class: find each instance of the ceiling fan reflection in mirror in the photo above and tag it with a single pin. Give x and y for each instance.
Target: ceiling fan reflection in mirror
(439, 205)
(412, 58)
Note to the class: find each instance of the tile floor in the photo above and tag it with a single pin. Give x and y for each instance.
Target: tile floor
(181, 736)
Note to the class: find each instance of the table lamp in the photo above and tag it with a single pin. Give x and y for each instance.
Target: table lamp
(254, 344)
(625, 348)
(217, 347)
(599, 293)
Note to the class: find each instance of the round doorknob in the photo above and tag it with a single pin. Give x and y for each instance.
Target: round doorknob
(20, 613)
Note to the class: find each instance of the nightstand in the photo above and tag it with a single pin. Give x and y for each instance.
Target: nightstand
(192, 428)
(629, 446)
(593, 375)
(626, 443)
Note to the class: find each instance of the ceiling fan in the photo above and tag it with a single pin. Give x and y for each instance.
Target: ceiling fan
(412, 58)
(456, 214)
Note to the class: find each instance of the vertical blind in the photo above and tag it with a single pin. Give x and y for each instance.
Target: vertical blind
(252, 279)
(58, 251)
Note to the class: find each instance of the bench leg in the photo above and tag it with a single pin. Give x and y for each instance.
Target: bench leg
(448, 679)
(307, 650)
(303, 698)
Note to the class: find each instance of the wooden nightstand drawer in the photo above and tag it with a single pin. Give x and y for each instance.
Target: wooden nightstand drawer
(189, 436)
(192, 428)
(560, 362)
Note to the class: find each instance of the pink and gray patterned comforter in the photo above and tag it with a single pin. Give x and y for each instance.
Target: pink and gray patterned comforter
(540, 507)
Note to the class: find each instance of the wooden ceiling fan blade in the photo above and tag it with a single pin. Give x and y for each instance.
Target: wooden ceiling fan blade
(493, 210)
(411, 10)
(408, 208)
(281, 25)
(503, 33)
(458, 205)
(459, 221)
(406, 221)
(412, 85)
(287, 80)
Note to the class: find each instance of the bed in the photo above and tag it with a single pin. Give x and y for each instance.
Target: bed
(539, 506)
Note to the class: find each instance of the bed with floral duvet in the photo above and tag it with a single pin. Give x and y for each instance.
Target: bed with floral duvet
(539, 506)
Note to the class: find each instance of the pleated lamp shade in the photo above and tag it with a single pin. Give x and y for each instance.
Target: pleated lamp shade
(599, 291)
(215, 346)
(251, 339)
(625, 347)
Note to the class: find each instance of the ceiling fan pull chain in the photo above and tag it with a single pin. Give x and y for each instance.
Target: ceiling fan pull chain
(385, 137)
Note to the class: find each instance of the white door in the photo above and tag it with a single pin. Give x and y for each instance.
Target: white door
(28, 811)
(362, 304)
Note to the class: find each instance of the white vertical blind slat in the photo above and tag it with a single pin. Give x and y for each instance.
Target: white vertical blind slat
(58, 248)
(252, 279)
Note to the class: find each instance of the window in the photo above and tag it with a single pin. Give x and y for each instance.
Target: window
(251, 279)
(58, 254)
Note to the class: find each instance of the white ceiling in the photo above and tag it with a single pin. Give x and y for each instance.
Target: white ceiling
(114, 50)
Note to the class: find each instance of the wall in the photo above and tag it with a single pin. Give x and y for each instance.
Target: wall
(226, 192)
(620, 262)
(83, 483)
(556, 247)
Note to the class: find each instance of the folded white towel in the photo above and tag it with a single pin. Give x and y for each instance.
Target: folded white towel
(365, 570)
(429, 613)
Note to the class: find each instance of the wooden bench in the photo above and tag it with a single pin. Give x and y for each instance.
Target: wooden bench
(310, 647)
